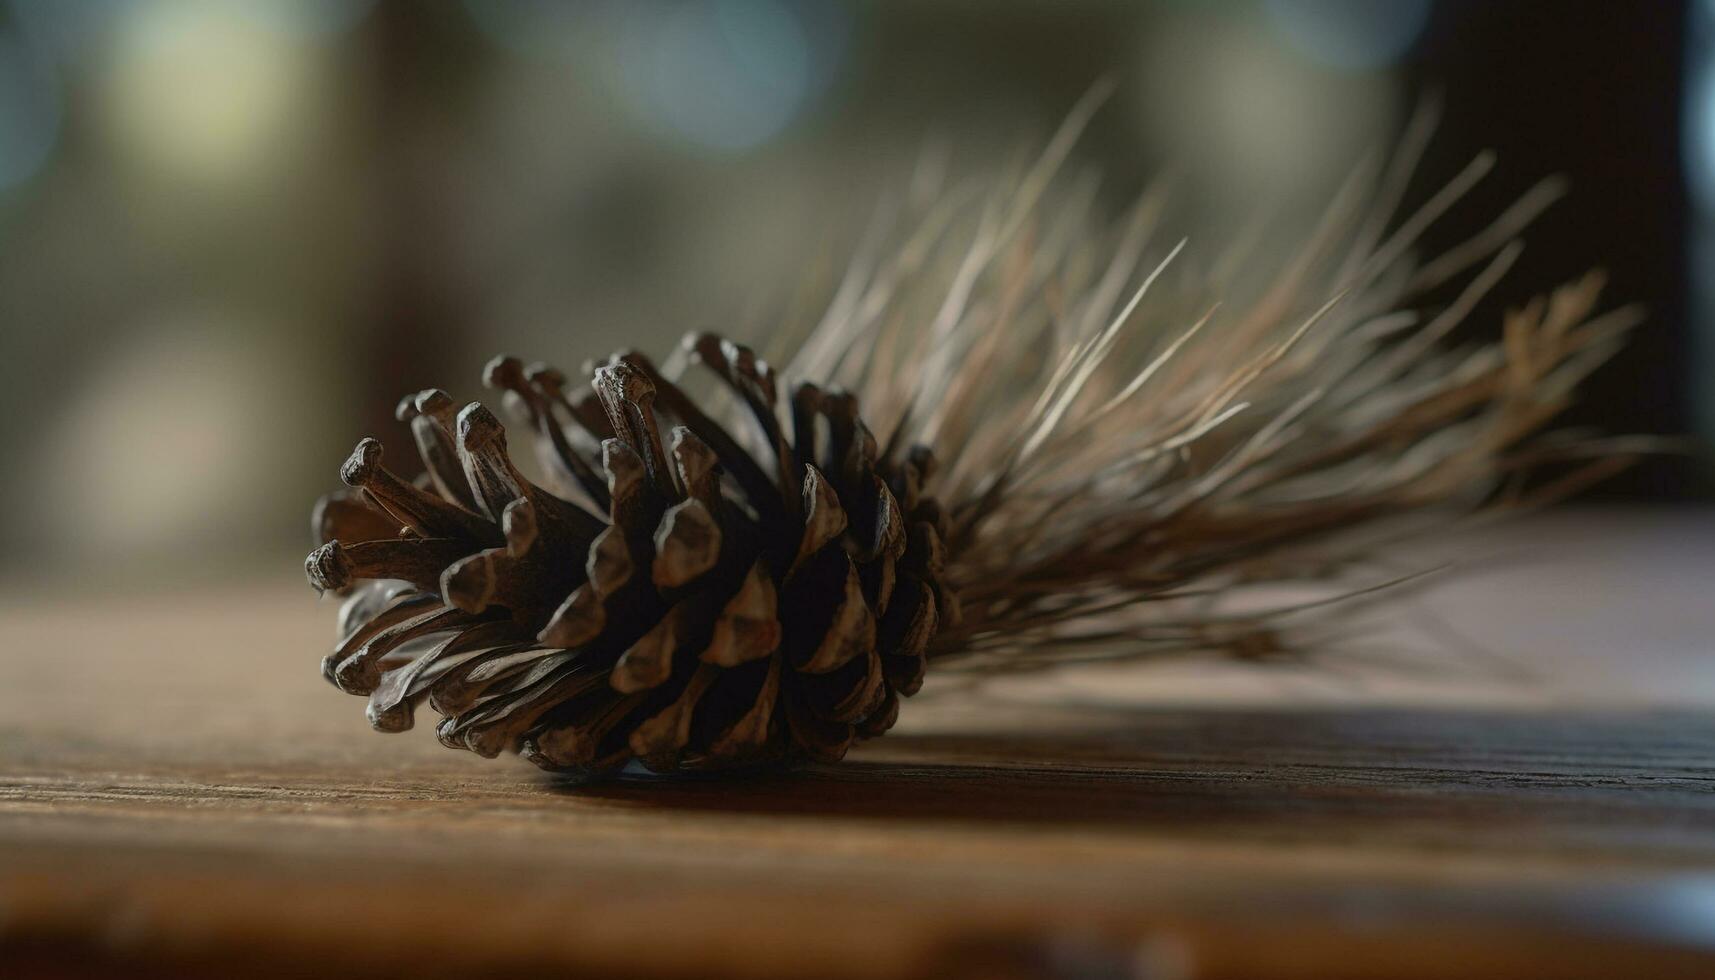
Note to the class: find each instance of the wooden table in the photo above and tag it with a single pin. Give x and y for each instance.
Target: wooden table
(176, 801)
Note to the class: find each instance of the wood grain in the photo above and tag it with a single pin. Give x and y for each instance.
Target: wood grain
(173, 805)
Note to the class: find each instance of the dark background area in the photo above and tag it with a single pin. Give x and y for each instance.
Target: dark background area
(1595, 91)
(231, 234)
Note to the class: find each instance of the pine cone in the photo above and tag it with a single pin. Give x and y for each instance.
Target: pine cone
(720, 614)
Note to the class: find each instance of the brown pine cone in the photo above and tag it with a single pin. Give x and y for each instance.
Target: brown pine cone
(722, 613)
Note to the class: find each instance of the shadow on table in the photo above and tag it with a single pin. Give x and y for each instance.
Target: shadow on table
(1532, 779)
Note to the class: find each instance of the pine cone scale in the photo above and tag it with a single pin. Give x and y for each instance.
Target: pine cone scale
(679, 627)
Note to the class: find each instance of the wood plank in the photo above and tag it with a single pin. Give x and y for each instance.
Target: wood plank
(173, 802)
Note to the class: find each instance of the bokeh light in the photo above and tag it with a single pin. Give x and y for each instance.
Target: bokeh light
(199, 91)
(1351, 35)
(1248, 119)
(29, 111)
(722, 75)
(1697, 150)
(1699, 140)
(153, 453)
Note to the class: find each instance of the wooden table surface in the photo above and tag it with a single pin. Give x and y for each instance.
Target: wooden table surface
(1532, 793)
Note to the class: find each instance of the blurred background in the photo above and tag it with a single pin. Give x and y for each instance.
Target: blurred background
(232, 233)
